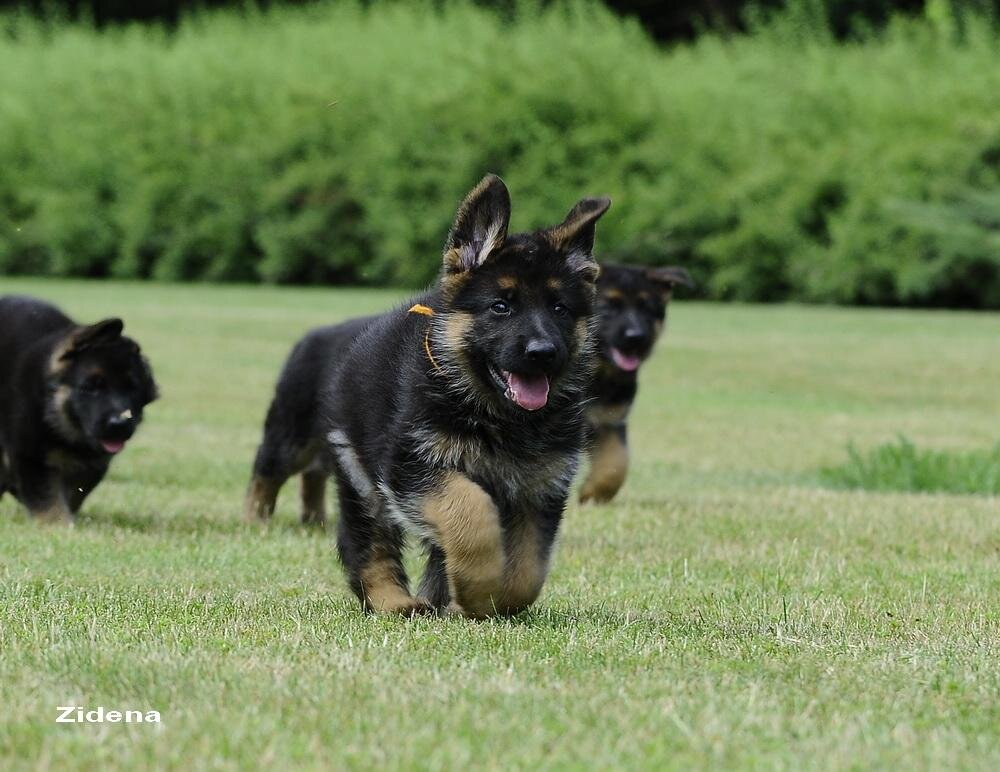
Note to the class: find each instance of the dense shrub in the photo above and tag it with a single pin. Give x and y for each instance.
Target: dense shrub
(331, 144)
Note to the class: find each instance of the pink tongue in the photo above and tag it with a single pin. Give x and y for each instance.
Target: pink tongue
(627, 362)
(529, 391)
(112, 446)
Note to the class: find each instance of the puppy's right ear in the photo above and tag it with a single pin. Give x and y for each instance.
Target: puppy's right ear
(480, 226)
(669, 276)
(106, 331)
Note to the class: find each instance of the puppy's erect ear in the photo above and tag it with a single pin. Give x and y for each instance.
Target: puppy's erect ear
(106, 331)
(669, 276)
(480, 226)
(575, 235)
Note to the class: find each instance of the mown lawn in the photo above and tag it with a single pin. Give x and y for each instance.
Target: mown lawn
(727, 611)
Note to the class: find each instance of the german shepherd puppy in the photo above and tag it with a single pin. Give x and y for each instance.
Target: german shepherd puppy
(631, 308)
(70, 399)
(457, 418)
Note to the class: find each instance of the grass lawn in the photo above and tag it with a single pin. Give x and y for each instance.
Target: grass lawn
(726, 611)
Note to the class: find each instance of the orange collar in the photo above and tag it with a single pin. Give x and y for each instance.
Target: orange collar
(417, 308)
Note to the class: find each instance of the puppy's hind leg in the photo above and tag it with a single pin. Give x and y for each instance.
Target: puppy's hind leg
(314, 497)
(434, 584)
(271, 468)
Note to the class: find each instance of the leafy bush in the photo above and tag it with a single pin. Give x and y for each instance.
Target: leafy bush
(331, 144)
(901, 466)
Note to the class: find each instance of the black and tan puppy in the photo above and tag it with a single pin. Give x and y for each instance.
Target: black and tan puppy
(71, 397)
(631, 309)
(457, 418)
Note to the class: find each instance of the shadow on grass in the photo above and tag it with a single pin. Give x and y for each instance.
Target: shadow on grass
(147, 522)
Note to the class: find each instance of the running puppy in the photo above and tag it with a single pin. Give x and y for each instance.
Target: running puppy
(631, 308)
(459, 418)
(70, 398)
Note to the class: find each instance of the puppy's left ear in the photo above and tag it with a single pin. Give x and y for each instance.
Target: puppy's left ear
(667, 277)
(575, 235)
(480, 226)
(106, 331)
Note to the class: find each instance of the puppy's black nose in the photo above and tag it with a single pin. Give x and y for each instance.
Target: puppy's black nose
(120, 425)
(635, 336)
(540, 351)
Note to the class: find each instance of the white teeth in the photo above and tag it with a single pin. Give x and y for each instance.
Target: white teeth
(126, 414)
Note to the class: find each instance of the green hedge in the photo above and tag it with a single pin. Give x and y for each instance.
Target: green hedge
(332, 144)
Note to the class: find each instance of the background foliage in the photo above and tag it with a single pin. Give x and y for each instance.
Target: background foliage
(331, 143)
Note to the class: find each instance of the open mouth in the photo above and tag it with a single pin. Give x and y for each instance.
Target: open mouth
(627, 362)
(113, 447)
(530, 392)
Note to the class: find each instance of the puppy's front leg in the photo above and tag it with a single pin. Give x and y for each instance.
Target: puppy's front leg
(467, 525)
(608, 466)
(42, 493)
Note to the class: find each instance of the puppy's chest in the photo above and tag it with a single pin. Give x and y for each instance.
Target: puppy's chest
(520, 475)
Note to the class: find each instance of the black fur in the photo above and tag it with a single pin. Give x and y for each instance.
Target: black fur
(293, 442)
(71, 396)
(631, 308)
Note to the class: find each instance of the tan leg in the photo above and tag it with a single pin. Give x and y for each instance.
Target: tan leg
(525, 569)
(56, 513)
(608, 467)
(314, 498)
(468, 526)
(384, 588)
(262, 496)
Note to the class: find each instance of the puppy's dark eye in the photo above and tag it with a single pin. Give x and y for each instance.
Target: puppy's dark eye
(500, 308)
(95, 383)
(559, 309)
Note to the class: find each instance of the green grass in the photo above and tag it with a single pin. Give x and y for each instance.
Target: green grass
(901, 466)
(726, 611)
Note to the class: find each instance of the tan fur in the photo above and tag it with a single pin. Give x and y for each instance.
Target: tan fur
(453, 278)
(582, 333)
(57, 413)
(525, 570)
(58, 365)
(456, 328)
(261, 498)
(608, 467)
(554, 284)
(613, 294)
(467, 524)
(608, 415)
(507, 282)
(314, 498)
(56, 513)
(382, 591)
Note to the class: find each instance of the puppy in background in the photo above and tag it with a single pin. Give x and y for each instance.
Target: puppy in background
(631, 309)
(71, 397)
